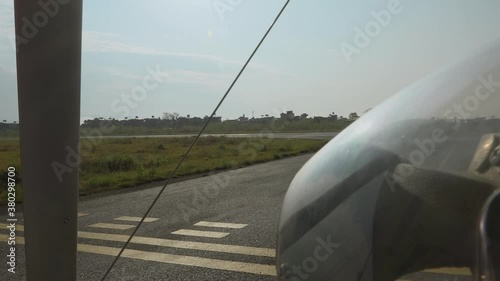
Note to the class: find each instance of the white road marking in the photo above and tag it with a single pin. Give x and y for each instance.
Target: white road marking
(243, 250)
(260, 269)
(221, 224)
(5, 238)
(135, 219)
(112, 226)
(18, 227)
(209, 234)
(211, 247)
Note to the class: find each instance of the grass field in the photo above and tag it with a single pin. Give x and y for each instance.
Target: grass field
(118, 163)
(278, 125)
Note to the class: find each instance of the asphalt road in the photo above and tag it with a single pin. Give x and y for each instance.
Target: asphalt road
(251, 196)
(248, 200)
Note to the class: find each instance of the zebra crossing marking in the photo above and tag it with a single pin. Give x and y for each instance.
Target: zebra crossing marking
(221, 224)
(259, 269)
(252, 268)
(112, 226)
(197, 233)
(135, 219)
(202, 246)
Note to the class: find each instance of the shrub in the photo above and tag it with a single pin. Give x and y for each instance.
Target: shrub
(113, 163)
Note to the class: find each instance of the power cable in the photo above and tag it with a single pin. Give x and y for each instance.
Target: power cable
(194, 142)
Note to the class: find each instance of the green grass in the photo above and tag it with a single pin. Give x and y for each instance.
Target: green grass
(118, 163)
(278, 126)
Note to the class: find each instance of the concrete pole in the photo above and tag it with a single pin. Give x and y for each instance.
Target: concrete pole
(48, 39)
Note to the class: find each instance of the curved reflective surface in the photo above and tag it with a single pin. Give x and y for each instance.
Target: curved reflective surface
(398, 191)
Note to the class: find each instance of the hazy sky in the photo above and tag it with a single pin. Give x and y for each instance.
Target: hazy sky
(200, 45)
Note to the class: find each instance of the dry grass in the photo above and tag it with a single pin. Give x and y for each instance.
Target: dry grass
(119, 163)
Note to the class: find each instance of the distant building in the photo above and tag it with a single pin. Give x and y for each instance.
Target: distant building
(175, 121)
(231, 122)
(188, 121)
(215, 119)
(320, 119)
(243, 118)
(262, 120)
(5, 125)
(289, 115)
(92, 123)
(332, 116)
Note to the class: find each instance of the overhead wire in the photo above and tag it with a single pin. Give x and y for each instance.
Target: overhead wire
(193, 143)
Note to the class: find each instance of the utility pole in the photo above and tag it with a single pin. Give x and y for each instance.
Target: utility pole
(48, 39)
